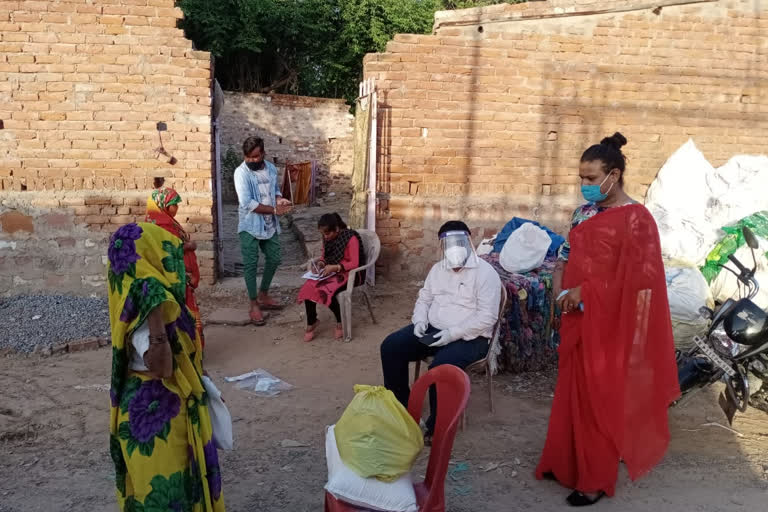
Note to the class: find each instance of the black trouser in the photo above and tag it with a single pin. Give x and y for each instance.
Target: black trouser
(311, 308)
(402, 347)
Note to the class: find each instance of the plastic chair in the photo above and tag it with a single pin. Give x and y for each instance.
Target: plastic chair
(372, 246)
(453, 392)
(483, 364)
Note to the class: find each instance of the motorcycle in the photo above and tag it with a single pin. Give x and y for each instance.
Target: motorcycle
(735, 348)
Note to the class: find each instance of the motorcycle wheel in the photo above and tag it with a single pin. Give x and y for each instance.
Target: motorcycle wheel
(737, 388)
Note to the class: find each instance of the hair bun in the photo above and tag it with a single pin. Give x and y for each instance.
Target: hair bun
(617, 140)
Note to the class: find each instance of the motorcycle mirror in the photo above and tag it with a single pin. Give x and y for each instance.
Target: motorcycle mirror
(749, 237)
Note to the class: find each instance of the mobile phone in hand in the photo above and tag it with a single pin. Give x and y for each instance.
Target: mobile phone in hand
(428, 339)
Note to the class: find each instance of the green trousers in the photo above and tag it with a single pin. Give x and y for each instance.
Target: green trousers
(250, 248)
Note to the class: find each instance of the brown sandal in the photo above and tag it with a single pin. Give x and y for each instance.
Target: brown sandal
(259, 322)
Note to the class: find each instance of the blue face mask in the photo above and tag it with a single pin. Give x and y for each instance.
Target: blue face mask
(593, 193)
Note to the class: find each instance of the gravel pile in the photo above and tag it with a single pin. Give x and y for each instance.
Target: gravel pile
(45, 320)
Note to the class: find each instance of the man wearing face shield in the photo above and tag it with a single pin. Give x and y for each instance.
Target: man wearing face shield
(453, 317)
(260, 203)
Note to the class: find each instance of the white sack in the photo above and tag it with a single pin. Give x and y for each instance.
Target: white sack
(369, 493)
(737, 190)
(691, 200)
(676, 199)
(525, 249)
(688, 291)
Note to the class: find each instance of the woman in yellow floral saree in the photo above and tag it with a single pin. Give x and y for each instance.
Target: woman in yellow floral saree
(160, 429)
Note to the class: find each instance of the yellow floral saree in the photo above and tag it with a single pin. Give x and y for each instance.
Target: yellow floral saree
(160, 430)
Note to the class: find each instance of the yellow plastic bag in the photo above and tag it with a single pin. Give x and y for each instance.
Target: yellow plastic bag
(376, 436)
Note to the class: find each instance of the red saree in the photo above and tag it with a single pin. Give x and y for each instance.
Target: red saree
(616, 373)
(157, 213)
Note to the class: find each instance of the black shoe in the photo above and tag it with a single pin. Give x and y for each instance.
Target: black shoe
(579, 499)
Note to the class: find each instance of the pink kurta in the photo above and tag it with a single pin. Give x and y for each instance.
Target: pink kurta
(322, 292)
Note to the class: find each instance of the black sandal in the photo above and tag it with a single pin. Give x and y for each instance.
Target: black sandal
(579, 499)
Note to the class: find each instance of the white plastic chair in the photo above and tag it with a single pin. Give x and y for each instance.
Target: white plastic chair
(372, 246)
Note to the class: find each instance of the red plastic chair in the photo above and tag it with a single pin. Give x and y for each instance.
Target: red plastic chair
(453, 394)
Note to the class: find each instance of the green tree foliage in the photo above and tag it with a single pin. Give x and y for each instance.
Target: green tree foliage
(308, 47)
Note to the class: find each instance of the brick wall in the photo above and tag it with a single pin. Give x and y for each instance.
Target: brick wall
(82, 85)
(486, 125)
(295, 129)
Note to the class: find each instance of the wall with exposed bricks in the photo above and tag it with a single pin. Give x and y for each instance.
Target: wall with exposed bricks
(486, 119)
(295, 129)
(82, 85)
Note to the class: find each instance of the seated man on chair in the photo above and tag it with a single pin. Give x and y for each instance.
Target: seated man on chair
(453, 318)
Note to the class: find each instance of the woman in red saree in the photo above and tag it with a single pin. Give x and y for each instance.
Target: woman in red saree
(162, 206)
(616, 372)
(342, 251)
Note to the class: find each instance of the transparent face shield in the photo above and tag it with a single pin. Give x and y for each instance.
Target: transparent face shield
(456, 249)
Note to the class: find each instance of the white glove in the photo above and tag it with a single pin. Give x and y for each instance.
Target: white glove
(419, 328)
(443, 338)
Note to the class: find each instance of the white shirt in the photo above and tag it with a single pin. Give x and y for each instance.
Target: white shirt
(466, 302)
(140, 343)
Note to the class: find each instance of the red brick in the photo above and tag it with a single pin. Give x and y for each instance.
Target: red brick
(13, 221)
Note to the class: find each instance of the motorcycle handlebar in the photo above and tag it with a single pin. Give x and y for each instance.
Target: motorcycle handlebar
(742, 269)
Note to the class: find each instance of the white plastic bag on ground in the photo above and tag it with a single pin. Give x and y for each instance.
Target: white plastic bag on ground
(525, 249)
(676, 199)
(687, 291)
(261, 382)
(221, 420)
(726, 286)
(369, 493)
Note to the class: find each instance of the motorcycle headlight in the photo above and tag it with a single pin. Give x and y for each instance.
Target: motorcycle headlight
(723, 345)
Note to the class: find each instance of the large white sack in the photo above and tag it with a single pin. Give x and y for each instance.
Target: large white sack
(525, 249)
(726, 286)
(676, 199)
(369, 493)
(684, 332)
(681, 185)
(688, 291)
(737, 189)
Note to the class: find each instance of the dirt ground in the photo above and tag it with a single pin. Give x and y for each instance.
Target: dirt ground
(53, 430)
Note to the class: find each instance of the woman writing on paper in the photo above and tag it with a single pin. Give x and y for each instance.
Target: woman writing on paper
(342, 251)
